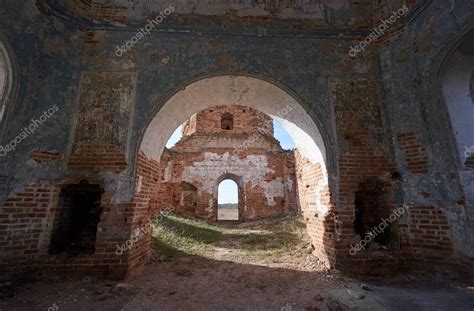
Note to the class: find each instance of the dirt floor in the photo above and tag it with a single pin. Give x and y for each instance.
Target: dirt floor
(265, 265)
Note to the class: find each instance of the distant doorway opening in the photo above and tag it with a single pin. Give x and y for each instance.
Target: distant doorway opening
(228, 200)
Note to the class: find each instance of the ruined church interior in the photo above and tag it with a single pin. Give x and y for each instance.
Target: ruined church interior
(237, 155)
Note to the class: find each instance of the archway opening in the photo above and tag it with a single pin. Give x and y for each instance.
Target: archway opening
(5, 79)
(228, 200)
(284, 181)
(458, 90)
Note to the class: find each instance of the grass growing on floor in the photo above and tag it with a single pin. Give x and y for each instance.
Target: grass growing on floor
(186, 235)
(262, 241)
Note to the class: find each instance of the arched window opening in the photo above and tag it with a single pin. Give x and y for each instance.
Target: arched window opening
(227, 121)
(457, 83)
(457, 88)
(228, 200)
(5, 79)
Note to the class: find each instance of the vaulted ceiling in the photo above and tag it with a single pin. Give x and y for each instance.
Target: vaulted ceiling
(338, 13)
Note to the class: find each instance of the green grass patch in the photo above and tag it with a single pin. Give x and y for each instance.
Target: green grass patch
(178, 236)
(186, 235)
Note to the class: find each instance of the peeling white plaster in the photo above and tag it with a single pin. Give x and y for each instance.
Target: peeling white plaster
(252, 169)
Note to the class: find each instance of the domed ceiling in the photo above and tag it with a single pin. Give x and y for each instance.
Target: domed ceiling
(308, 13)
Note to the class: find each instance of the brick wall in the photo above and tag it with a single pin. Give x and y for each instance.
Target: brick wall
(206, 153)
(26, 223)
(23, 220)
(365, 160)
(103, 121)
(150, 197)
(313, 198)
(429, 232)
(98, 11)
(416, 158)
(266, 179)
(245, 121)
(91, 157)
(44, 156)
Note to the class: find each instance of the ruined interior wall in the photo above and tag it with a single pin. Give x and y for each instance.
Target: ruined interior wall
(245, 121)
(321, 13)
(23, 221)
(26, 222)
(382, 9)
(141, 211)
(105, 107)
(54, 53)
(266, 181)
(364, 158)
(313, 198)
(411, 59)
(207, 153)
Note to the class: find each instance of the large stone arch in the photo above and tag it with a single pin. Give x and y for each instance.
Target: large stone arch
(6, 78)
(455, 78)
(260, 93)
(241, 89)
(263, 95)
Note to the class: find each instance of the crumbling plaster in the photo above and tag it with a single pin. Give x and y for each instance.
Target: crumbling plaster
(414, 84)
(410, 96)
(251, 169)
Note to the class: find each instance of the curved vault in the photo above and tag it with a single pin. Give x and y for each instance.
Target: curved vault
(5, 79)
(246, 91)
(235, 90)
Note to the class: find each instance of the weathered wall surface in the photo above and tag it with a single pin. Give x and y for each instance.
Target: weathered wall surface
(105, 109)
(411, 60)
(319, 12)
(247, 153)
(409, 135)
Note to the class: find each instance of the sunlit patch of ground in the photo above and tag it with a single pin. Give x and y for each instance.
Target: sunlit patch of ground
(262, 265)
(270, 242)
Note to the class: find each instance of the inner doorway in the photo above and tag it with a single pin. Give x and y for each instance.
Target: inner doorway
(228, 200)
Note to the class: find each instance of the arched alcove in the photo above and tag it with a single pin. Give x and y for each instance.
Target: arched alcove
(239, 90)
(6, 78)
(457, 85)
(457, 88)
(245, 91)
(312, 189)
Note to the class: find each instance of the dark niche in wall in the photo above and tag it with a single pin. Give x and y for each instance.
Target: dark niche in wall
(374, 220)
(188, 196)
(227, 121)
(77, 218)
